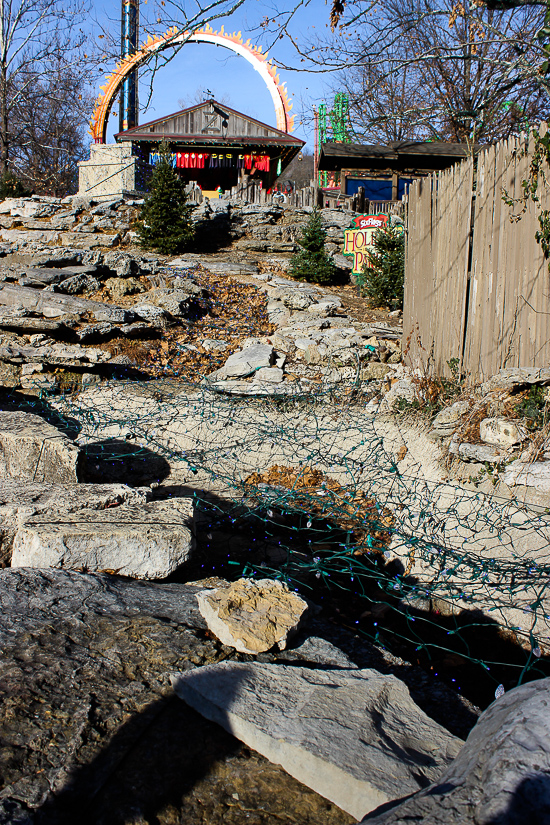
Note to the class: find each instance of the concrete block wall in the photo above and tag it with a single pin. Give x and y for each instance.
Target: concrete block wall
(111, 171)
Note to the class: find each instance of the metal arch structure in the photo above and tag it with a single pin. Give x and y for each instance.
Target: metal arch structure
(253, 54)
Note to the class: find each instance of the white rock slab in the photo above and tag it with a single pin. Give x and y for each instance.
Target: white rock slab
(33, 450)
(501, 432)
(355, 737)
(247, 361)
(535, 474)
(20, 500)
(147, 541)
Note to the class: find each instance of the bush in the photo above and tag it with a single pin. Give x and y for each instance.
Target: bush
(11, 187)
(383, 276)
(312, 263)
(165, 221)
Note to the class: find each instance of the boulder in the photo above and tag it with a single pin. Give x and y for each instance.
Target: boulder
(64, 355)
(274, 375)
(481, 453)
(120, 287)
(404, 389)
(52, 305)
(19, 499)
(152, 314)
(339, 732)
(146, 541)
(501, 432)
(247, 361)
(529, 474)
(501, 775)
(77, 284)
(516, 376)
(374, 371)
(33, 450)
(87, 713)
(253, 615)
(448, 419)
(188, 286)
(174, 301)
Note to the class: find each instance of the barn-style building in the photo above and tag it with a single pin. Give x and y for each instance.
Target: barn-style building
(210, 144)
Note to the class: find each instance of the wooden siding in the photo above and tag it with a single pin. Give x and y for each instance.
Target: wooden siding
(476, 282)
(206, 121)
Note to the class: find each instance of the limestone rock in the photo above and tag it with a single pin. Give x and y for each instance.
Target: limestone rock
(152, 314)
(77, 284)
(249, 360)
(324, 308)
(213, 345)
(65, 355)
(403, 389)
(501, 775)
(374, 371)
(19, 500)
(534, 474)
(273, 375)
(147, 541)
(448, 419)
(501, 432)
(52, 305)
(33, 450)
(120, 287)
(516, 376)
(356, 737)
(188, 286)
(174, 301)
(253, 615)
(481, 453)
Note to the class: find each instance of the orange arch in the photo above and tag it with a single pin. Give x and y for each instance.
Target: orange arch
(253, 54)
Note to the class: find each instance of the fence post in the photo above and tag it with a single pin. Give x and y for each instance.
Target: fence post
(361, 199)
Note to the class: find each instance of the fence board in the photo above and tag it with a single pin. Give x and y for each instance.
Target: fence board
(491, 311)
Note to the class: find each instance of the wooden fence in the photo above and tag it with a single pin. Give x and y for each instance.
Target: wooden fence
(476, 280)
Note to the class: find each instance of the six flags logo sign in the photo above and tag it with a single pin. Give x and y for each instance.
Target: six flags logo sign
(359, 237)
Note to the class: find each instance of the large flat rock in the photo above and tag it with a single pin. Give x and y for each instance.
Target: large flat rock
(22, 500)
(91, 731)
(33, 450)
(356, 737)
(145, 541)
(501, 775)
(52, 304)
(58, 355)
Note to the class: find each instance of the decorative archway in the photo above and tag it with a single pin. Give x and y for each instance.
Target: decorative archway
(253, 54)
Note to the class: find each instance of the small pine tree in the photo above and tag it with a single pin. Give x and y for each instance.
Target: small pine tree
(11, 187)
(165, 221)
(312, 263)
(383, 277)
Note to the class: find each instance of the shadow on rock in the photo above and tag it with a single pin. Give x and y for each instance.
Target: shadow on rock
(530, 803)
(13, 401)
(143, 775)
(113, 461)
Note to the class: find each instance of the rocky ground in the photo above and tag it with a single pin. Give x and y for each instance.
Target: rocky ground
(90, 714)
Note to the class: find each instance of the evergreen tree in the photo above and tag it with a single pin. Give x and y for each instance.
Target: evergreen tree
(383, 277)
(11, 187)
(165, 221)
(312, 263)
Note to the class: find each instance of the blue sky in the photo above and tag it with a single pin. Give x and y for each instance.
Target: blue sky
(198, 67)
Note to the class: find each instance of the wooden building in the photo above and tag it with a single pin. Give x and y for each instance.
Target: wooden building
(215, 146)
(385, 172)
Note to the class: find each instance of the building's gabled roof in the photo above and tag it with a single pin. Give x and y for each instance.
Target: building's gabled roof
(209, 123)
(421, 153)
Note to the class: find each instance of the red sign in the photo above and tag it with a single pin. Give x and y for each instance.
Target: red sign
(369, 221)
